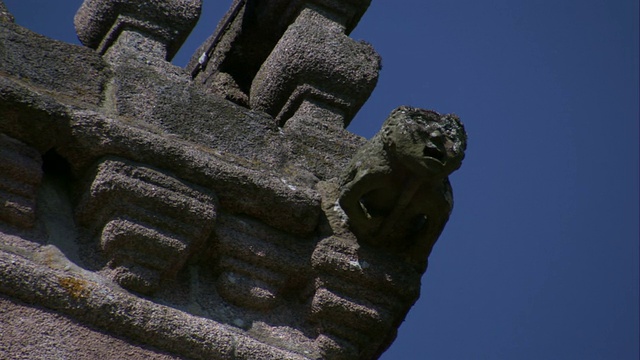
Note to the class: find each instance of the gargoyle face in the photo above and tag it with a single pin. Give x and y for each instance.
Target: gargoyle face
(426, 142)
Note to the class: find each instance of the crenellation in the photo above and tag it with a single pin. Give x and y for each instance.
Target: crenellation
(276, 71)
(164, 25)
(293, 73)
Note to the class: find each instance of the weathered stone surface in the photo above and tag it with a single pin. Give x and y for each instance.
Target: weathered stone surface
(29, 115)
(260, 266)
(29, 332)
(99, 23)
(260, 229)
(65, 71)
(314, 48)
(5, 15)
(260, 194)
(20, 176)
(360, 294)
(148, 223)
(87, 298)
(272, 56)
(395, 192)
(249, 32)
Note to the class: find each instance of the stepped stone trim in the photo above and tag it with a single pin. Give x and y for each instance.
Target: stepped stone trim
(293, 72)
(146, 219)
(258, 265)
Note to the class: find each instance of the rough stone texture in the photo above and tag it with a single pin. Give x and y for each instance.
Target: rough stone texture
(148, 223)
(99, 23)
(250, 30)
(28, 332)
(20, 176)
(313, 49)
(5, 15)
(395, 193)
(61, 70)
(139, 205)
(273, 55)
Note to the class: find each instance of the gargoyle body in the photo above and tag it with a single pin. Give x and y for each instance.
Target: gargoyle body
(395, 191)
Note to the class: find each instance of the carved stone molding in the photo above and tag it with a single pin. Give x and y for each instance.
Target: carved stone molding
(148, 222)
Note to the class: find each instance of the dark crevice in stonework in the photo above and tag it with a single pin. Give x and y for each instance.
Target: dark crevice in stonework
(55, 206)
(55, 165)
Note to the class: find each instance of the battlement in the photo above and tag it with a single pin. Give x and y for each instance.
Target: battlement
(222, 210)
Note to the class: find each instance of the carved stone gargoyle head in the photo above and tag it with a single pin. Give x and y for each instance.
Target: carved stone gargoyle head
(426, 143)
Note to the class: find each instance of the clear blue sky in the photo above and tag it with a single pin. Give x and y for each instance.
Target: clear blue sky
(540, 257)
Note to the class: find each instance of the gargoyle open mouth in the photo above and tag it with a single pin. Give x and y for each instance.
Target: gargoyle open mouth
(434, 154)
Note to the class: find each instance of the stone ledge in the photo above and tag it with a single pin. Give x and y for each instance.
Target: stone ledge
(83, 136)
(240, 190)
(108, 308)
(69, 72)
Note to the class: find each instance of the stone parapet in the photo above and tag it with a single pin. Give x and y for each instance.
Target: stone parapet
(276, 70)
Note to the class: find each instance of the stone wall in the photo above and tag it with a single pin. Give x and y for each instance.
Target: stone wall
(220, 211)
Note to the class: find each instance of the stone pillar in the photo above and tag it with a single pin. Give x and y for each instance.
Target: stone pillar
(316, 69)
(155, 27)
(138, 38)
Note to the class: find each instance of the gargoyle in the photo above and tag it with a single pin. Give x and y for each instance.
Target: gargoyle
(395, 191)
